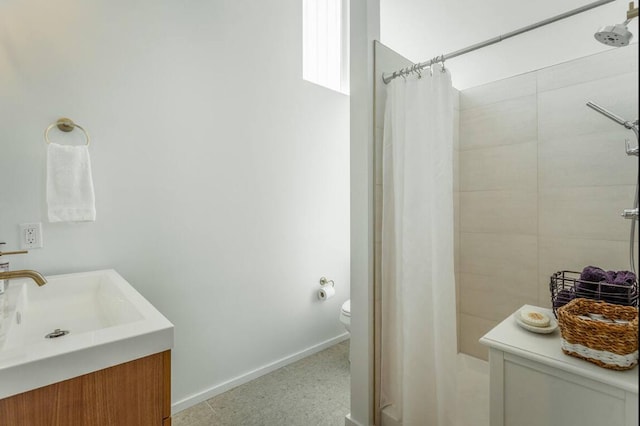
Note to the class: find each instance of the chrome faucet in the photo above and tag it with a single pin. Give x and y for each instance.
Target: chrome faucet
(24, 273)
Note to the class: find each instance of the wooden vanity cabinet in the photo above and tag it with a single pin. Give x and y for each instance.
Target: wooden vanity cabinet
(136, 393)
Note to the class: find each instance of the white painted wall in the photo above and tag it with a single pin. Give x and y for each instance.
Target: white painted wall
(365, 28)
(423, 29)
(221, 177)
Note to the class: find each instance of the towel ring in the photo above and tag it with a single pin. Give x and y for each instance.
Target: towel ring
(65, 125)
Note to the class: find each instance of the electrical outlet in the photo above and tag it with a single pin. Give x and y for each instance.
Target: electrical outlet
(30, 235)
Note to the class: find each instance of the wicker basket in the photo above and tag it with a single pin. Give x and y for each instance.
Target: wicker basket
(609, 345)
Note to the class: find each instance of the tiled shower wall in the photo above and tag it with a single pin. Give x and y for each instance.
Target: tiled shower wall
(542, 182)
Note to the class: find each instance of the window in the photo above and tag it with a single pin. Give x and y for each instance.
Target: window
(325, 43)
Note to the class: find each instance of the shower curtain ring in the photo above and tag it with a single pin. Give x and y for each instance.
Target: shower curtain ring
(417, 70)
(442, 61)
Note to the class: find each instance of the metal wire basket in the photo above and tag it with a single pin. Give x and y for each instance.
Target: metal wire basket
(567, 285)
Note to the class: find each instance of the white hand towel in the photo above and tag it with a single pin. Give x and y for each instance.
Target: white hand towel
(70, 196)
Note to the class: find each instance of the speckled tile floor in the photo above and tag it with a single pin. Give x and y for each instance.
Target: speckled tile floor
(311, 392)
(315, 392)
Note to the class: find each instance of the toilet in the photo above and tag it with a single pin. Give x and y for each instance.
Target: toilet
(345, 315)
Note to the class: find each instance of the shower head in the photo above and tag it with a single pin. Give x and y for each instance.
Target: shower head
(614, 35)
(617, 35)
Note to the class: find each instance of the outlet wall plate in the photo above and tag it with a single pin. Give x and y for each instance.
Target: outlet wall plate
(31, 235)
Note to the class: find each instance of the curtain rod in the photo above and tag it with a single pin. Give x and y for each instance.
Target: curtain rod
(386, 78)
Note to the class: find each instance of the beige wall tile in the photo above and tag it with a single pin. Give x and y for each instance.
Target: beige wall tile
(500, 255)
(510, 88)
(507, 212)
(596, 159)
(594, 67)
(492, 298)
(591, 212)
(499, 167)
(515, 146)
(502, 123)
(560, 254)
(563, 113)
(473, 328)
(525, 285)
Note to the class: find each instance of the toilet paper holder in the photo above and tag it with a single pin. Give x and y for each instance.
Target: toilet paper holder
(324, 281)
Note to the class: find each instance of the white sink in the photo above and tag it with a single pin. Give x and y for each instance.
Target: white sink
(108, 322)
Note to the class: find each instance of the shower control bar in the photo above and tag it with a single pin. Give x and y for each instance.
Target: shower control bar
(626, 213)
(630, 214)
(621, 121)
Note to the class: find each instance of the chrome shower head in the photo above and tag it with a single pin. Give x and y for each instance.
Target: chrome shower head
(618, 35)
(614, 35)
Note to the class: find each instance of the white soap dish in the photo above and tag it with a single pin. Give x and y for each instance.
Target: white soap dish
(553, 324)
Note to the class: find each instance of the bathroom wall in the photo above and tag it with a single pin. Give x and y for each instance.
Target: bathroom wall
(386, 60)
(543, 180)
(221, 177)
(364, 28)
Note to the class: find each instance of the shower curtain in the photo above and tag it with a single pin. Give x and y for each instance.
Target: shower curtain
(418, 327)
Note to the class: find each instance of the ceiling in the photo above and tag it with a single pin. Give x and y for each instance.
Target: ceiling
(423, 29)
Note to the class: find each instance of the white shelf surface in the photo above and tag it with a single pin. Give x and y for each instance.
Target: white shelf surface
(509, 337)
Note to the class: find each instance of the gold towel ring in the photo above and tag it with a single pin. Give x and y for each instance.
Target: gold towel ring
(65, 125)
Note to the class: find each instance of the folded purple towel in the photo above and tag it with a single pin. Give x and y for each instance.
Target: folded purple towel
(610, 286)
(625, 278)
(563, 297)
(587, 285)
(593, 274)
(618, 290)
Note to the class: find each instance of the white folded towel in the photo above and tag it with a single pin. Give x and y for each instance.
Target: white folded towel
(70, 196)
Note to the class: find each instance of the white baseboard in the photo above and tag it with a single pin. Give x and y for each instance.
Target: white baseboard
(254, 374)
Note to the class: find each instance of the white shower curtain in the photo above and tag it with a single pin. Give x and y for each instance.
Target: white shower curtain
(418, 352)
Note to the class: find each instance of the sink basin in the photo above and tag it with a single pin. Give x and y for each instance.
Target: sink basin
(78, 303)
(107, 320)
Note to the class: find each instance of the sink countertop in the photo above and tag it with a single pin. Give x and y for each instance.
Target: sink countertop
(39, 363)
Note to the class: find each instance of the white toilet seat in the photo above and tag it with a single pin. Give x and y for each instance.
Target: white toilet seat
(345, 315)
(346, 308)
